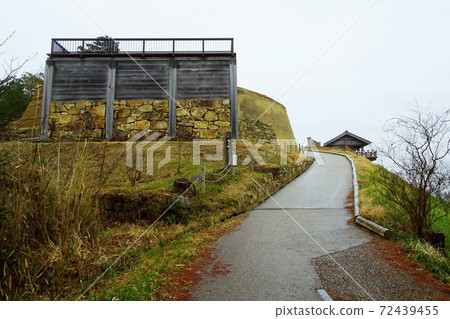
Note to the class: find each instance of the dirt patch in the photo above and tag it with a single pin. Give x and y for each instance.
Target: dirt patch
(350, 207)
(220, 268)
(378, 270)
(178, 286)
(394, 255)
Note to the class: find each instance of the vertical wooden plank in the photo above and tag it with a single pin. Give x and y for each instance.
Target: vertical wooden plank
(110, 94)
(46, 98)
(173, 98)
(234, 100)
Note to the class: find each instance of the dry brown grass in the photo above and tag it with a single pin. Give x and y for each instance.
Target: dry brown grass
(28, 125)
(49, 222)
(60, 243)
(253, 104)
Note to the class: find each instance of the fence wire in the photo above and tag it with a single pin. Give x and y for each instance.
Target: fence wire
(220, 173)
(219, 179)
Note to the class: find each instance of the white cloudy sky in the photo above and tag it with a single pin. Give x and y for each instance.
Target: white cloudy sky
(397, 52)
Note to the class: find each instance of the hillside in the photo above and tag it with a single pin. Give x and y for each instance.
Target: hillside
(29, 123)
(87, 207)
(274, 123)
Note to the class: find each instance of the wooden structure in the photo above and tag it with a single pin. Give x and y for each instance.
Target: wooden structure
(140, 69)
(353, 141)
(347, 139)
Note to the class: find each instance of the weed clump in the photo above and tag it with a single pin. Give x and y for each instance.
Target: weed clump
(48, 221)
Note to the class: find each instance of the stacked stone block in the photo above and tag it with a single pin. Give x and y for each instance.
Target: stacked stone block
(204, 119)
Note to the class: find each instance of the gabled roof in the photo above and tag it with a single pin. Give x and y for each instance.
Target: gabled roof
(356, 137)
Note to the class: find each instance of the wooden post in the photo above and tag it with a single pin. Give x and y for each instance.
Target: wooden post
(203, 178)
(173, 98)
(233, 100)
(179, 156)
(46, 98)
(38, 89)
(227, 156)
(110, 95)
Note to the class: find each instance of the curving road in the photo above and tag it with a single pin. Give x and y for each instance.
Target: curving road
(269, 256)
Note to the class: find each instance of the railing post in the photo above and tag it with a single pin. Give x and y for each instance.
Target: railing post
(232, 45)
(143, 48)
(173, 47)
(203, 46)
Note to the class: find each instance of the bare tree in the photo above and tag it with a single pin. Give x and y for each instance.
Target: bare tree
(11, 67)
(418, 146)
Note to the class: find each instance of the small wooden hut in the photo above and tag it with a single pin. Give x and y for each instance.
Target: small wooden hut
(348, 139)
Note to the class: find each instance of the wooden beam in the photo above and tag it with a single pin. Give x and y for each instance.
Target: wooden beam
(46, 98)
(173, 98)
(234, 100)
(110, 95)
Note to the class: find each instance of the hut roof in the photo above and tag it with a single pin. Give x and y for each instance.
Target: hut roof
(349, 134)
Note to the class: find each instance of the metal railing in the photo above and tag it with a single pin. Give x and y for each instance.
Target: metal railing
(137, 46)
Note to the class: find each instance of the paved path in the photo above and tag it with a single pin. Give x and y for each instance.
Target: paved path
(269, 256)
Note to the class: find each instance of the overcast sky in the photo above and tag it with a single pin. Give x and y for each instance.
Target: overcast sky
(362, 65)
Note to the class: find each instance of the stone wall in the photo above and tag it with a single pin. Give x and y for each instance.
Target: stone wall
(133, 116)
(212, 119)
(72, 120)
(86, 119)
(253, 131)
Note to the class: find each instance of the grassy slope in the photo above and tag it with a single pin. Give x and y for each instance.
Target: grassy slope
(30, 118)
(175, 240)
(253, 104)
(376, 208)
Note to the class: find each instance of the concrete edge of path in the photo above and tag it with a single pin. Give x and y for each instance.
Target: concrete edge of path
(378, 229)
